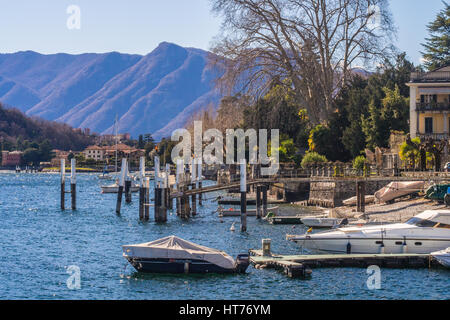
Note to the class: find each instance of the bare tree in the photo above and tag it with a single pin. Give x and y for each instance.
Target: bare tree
(314, 43)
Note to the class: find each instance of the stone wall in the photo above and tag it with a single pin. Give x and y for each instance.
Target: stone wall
(332, 193)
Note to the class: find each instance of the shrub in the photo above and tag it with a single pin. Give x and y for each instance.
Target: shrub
(311, 158)
(358, 163)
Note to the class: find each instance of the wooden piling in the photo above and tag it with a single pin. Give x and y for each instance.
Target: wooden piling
(264, 200)
(258, 202)
(146, 199)
(141, 188)
(193, 186)
(243, 173)
(63, 183)
(361, 196)
(200, 178)
(121, 185)
(73, 183)
(128, 190)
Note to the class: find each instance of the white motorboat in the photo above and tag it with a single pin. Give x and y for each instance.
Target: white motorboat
(316, 222)
(114, 188)
(175, 255)
(427, 232)
(443, 257)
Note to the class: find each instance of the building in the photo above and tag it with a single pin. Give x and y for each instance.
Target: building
(10, 159)
(124, 151)
(94, 152)
(58, 155)
(430, 104)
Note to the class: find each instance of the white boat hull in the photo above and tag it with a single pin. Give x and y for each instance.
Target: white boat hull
(115, 189)
(373, 245)
(321, 222)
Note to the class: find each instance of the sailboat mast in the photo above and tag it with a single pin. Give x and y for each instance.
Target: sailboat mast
(115, 138)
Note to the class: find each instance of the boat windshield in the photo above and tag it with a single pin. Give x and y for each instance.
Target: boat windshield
(426, 223)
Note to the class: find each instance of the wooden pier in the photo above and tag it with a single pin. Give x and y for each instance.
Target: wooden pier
(408, 260)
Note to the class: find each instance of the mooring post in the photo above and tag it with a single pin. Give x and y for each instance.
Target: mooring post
(193, 186)
(200, 178)
(123, 171)
(243, 195)
(141, 188)
(360, 196)
(264, 200)
(258, 202)
(179, 170)
(127, 186)
(73, 183)
(167, 194)
(63, 183)
(147, 199)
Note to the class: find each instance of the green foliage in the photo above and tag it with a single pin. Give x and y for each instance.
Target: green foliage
(359, 162)
(312, 157)
(381, 121)
(437, 46)
(278, 110)
(31, 156)
(287, 150)
(319, 141)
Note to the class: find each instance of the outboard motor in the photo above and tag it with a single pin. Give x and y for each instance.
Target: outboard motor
(242, 262)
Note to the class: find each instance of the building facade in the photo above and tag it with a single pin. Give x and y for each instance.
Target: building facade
(94, 152)
(430, 104)
(10, 159)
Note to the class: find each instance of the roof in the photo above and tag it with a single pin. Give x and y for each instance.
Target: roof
(94, 148)
(441, 75)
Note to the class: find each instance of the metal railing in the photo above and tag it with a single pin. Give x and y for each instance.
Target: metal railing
(436, 76)
(433, 106)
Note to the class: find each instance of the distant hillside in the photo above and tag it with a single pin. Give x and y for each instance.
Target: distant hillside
(14, 126)
(154, 93)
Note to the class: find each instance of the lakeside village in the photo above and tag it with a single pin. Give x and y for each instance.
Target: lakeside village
(374, 169)
(380, 211)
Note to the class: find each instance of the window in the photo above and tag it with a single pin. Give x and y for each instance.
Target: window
(428, 125)
(421, 223)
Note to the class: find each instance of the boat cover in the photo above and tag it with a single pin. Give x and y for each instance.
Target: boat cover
(441, 216)
(398, 189)
(176, 248)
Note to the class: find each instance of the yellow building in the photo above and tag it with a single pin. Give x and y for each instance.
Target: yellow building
(430, 104)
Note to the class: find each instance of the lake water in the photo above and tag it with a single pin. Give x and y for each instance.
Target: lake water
(39, 242)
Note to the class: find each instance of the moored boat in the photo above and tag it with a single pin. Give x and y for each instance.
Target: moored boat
(398, 189)
(426, 232)
(237, 213)
(114, 188)
(443, 257)
(175, 255)
(316, 222)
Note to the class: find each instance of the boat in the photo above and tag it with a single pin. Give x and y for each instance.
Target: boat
(398, 189)
(114, 188)
(424, 233)
(352, 201)
(237, 213)
(316, 222)
(443, 257)
(437, 192)
(105, 175)
(175, 255)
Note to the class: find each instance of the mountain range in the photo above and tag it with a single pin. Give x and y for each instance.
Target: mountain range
(156, 93)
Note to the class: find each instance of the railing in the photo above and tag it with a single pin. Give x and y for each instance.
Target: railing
(433, 106)
(436, 76)
(434, 136)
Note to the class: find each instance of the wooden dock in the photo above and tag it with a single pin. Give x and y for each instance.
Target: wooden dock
(408, 260)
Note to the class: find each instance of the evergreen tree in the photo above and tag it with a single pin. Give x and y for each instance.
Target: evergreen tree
(437, 46)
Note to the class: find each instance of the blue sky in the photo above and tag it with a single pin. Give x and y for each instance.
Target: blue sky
(137, 26)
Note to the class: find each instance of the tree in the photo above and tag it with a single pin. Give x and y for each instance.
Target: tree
(314, 43)
(31, 156)
(437, 46)
(319, 141)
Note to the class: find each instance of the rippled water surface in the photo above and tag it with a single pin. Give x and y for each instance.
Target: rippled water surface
(39, 242)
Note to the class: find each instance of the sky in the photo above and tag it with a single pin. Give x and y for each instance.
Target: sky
(138, 26)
